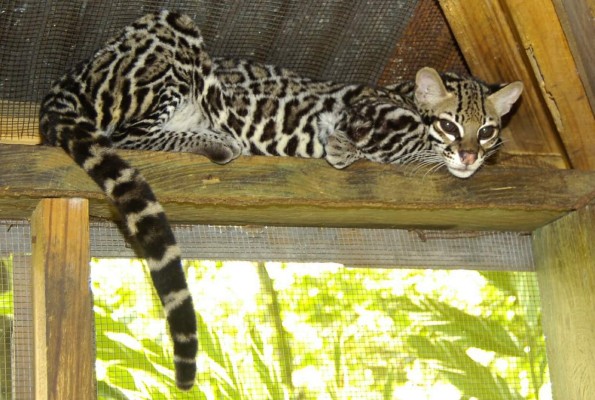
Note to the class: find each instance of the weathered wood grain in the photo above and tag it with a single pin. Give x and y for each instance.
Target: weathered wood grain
(62, 303)
(555, 70)
(494, 52)
(295, 192)
(576, 17)
(564, 254)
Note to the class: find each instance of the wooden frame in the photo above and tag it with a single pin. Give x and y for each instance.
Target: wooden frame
(564, 253)
(557, 207)
(62, 303)
(288, 191)
(523, 39)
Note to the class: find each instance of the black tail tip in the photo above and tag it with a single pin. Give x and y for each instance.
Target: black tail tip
(185, 376)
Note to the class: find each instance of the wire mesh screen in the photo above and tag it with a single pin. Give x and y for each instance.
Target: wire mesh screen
(304, 313)
(317, 314)
(352, 247)
(16, 322)
(5, 329)
(344, 40)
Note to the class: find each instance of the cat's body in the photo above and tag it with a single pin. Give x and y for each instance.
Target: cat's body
(155, 87)
(266, 110)
(284, 114)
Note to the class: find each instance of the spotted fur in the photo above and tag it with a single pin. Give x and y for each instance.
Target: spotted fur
(154, 87)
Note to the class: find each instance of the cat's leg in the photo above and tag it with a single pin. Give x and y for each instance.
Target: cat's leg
(218, 147)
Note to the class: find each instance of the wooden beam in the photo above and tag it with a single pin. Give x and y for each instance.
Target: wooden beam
(528, 43)
(62, 303)
(564, 254)
(493, 52)
(576, 17)
(547, 50)
(296, 192)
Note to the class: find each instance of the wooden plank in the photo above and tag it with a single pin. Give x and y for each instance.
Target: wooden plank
(296, 192)
(390, 248)
(62, 303)
(40, 345)
(576, 17)
(565, 258)
(555, 70)
(493, 52)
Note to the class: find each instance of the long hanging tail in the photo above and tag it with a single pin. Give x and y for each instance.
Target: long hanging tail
(145, 220)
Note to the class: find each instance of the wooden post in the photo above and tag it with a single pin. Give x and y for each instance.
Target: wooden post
(62, 304)
(564, 254)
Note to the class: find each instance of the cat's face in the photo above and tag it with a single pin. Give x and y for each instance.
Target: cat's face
(464, 117)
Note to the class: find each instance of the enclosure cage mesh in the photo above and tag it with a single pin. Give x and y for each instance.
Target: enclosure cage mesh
(305, 313)
(286, 312)
(363, 41)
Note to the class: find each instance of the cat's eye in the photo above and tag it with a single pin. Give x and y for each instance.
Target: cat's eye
(448, 127)
(486, 132)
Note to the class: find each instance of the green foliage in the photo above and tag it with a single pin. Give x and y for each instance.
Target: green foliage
(132, 365)
(503, 330)
(6, 300)
(388, 334)
(6, 319)
(275, 389)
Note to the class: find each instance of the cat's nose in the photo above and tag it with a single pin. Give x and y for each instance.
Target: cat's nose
(467, 157)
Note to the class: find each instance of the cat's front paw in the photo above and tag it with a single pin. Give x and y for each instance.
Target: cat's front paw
(340, 151)
(220, 153)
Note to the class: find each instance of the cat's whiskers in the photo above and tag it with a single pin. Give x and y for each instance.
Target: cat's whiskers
(424, 155)
(433, 169)
(493, 150)
(421, 165)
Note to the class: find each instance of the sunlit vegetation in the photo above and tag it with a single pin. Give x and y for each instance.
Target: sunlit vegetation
(324, 331)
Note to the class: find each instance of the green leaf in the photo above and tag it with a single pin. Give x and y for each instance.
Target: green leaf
(504, 281)
(474, 331)
(268, 373)
(108, 392)
(225, 374)
(472, 378)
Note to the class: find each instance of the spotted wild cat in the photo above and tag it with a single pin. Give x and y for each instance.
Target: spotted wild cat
(154, 87)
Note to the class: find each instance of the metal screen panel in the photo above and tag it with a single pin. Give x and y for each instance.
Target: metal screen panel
(343, 40)
(308, 307)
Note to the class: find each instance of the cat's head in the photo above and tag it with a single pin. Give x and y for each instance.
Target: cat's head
(464, 117)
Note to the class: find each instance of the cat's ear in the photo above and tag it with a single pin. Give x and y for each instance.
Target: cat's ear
(429, 88)
(503, 99)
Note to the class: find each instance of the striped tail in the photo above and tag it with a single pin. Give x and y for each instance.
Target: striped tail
(146, 222)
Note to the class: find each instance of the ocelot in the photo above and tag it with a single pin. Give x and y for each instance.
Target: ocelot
(155, 87)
